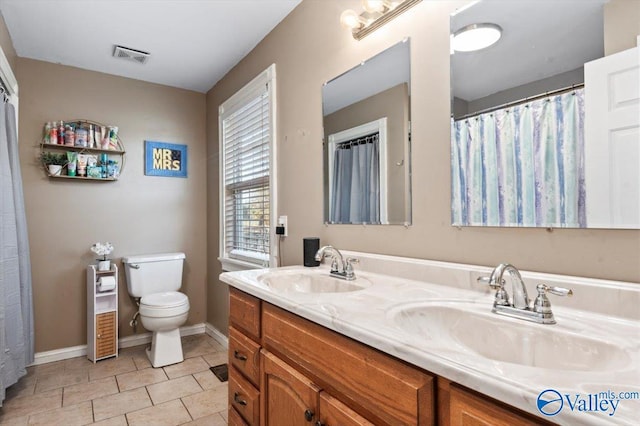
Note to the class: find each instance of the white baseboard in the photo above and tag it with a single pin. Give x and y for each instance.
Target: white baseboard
(217, 335)
(59, 354)
(124, 342)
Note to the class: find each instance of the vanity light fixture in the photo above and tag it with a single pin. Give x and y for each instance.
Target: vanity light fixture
(476, 37)
(376, 13)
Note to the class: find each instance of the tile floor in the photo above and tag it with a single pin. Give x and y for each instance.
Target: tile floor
(123, 390)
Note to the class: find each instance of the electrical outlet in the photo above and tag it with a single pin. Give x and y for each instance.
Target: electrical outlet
(282, 221)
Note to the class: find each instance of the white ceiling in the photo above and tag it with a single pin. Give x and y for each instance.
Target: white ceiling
(193, 43)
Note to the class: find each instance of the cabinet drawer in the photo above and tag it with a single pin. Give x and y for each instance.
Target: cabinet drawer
(244, 312)
(235, 419)
(380, 387)
(244, 355)
(105, 334)
(244, 398)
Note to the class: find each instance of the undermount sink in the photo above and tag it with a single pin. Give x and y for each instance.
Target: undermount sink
(473, 327)
(312, 282)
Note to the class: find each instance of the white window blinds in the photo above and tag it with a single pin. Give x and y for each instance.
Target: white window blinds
(246, 171)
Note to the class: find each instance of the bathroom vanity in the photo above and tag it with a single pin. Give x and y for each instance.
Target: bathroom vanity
(360, 353)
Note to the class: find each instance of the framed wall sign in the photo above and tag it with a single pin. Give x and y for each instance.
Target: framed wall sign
(165, 159)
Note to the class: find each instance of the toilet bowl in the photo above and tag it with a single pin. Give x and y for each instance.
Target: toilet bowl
(154, 280)
(163, 314)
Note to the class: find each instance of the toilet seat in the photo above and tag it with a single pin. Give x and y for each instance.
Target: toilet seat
(165, 304)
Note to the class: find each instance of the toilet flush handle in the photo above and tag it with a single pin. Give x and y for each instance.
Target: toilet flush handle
(134, 265)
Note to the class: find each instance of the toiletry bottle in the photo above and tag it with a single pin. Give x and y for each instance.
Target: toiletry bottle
(61, 133)
(91, 141)
(53, 134)
(69, 136)
(46, 133)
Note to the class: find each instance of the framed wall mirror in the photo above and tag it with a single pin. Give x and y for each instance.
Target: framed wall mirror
(366, 146)
(530, 146)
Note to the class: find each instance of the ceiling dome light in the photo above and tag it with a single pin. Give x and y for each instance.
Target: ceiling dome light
(475, 37)
(351, 20)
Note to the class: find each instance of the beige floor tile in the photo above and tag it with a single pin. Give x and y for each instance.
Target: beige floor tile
(26, 386)
(141, 360)
(139, 378)
(207, 379)
(211, 420)
(79, 414)
(113, 421)
(216, 358)
(168, 414)
(207, 402)
(57, 380)
(225, 415)
(188, 366)
(197, 348)
(217, 345)
(172, 389)
(139, 355)
(48, 368)
(111, 367)
(87, 391)
(121, 403)
(78, 363)
(27, 405)
(16, 421)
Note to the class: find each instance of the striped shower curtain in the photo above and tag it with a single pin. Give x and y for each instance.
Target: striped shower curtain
(521, 166)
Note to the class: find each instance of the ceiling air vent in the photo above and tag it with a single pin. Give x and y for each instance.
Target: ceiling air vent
(130, 54)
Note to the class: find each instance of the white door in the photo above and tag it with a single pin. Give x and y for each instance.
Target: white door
(612, 140)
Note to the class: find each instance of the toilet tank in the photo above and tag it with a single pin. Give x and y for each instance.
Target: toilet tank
(153, 273)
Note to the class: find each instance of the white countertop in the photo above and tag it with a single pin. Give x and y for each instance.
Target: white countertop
(368, 317)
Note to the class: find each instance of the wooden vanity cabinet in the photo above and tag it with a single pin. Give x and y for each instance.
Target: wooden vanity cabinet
(286, 370)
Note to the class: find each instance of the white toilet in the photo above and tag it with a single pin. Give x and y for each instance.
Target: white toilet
(155, 280)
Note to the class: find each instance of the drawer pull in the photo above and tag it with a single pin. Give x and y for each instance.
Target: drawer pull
(319, 423)
(238, 400)
(308, 415)
(238, 355)
(99, 336)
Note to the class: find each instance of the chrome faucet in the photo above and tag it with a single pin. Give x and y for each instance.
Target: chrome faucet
(340, 268)
(519, 291)
(519, 306)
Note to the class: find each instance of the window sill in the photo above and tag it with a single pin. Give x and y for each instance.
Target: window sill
(231, 265)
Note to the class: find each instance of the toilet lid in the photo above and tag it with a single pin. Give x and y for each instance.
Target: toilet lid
(167, 299)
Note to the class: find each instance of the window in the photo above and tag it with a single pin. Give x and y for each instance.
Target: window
(247, 184)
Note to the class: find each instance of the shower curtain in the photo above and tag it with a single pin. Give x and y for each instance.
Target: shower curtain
(356, 181)
(521, 166)
(16, 315)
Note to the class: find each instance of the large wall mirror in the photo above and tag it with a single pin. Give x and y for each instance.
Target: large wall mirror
(544, 129)
(366, 119)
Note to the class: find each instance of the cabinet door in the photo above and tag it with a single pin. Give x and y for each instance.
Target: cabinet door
(335, 413)
(288, 397)
(469, 409)
(105, 334)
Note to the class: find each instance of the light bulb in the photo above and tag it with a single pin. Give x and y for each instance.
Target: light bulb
(350, 19)
(373, 6)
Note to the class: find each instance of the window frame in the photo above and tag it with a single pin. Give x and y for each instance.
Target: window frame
(228, 107)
